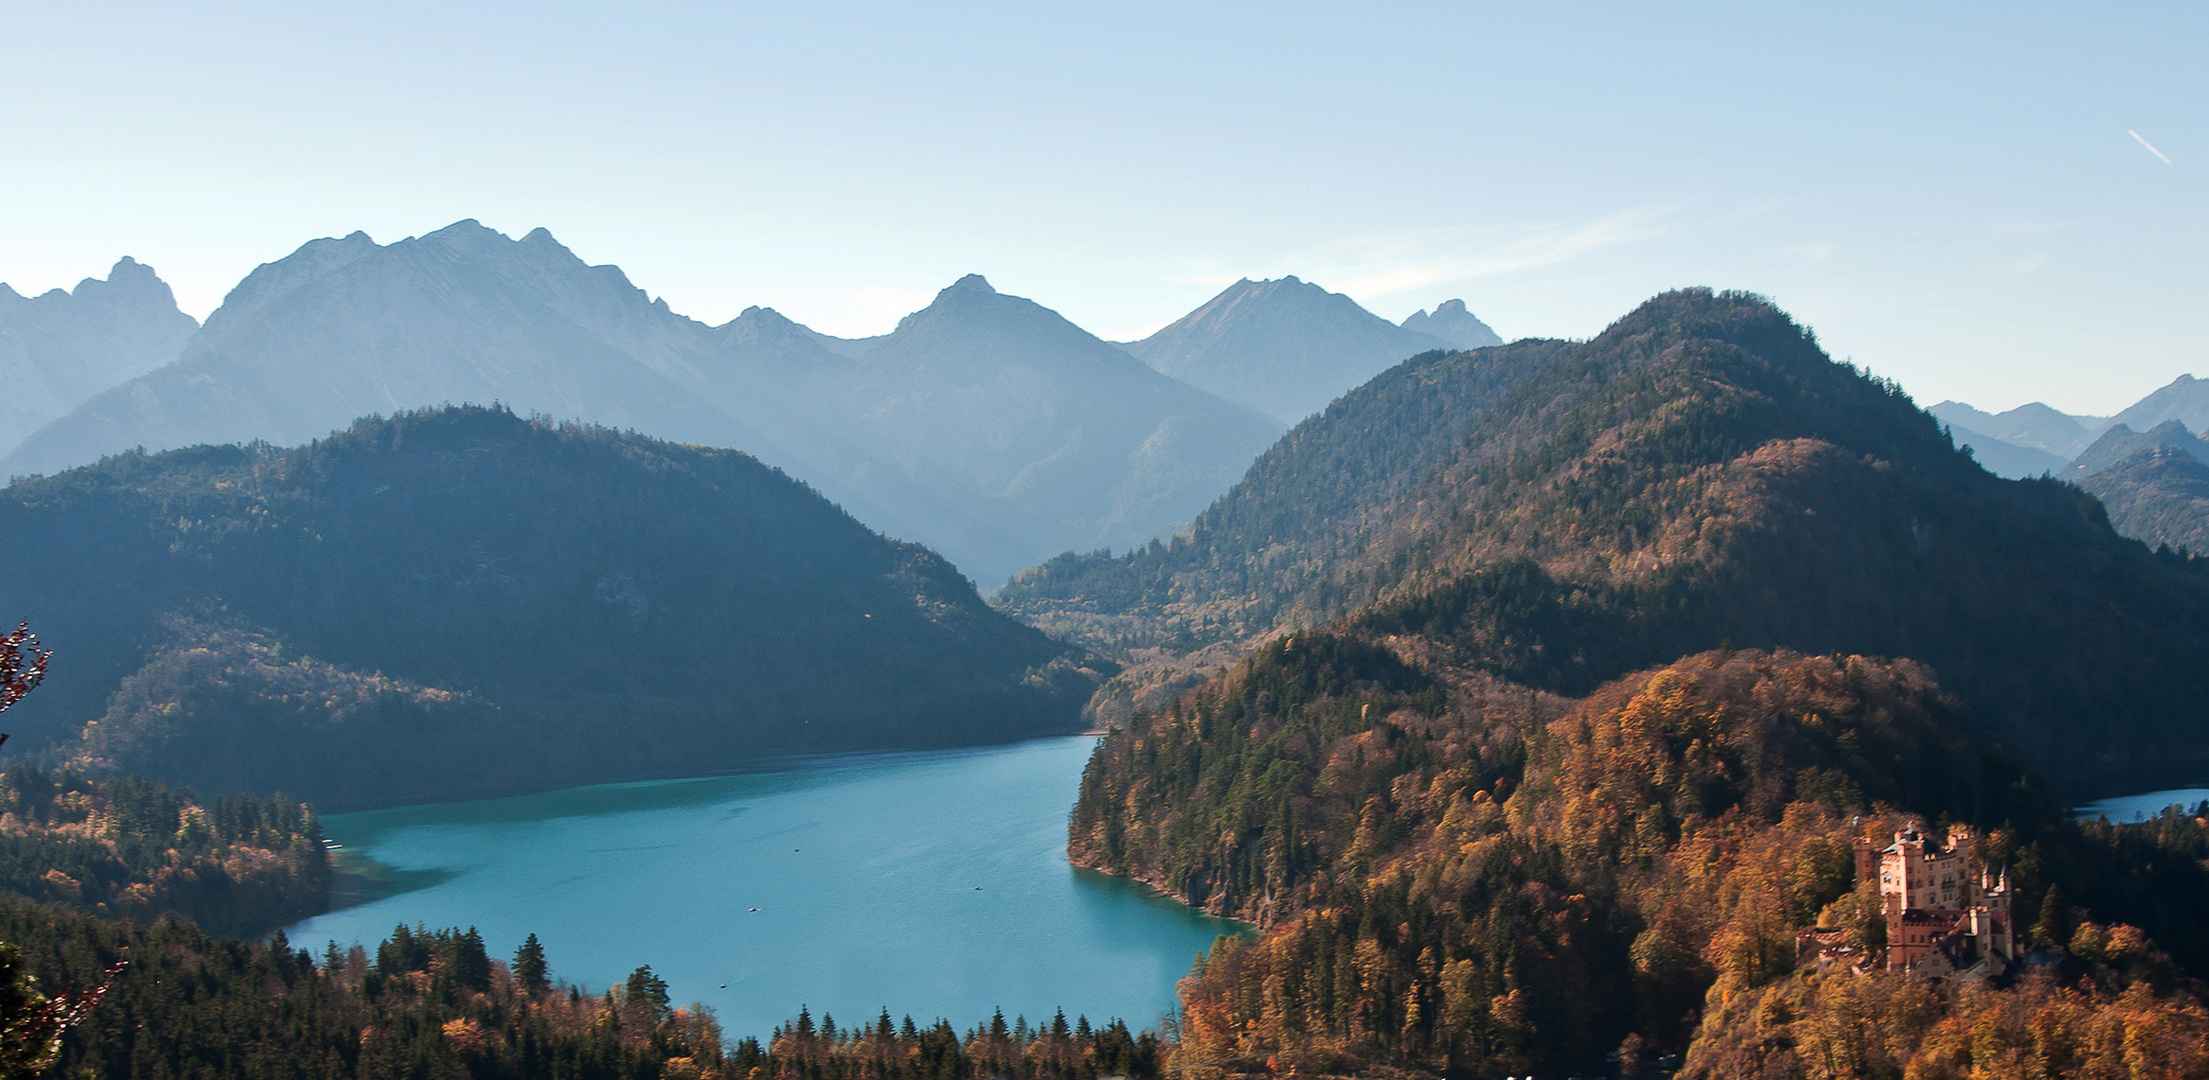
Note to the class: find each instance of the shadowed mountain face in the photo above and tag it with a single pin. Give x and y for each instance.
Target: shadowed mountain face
(1454, 325)
(919, 438)
(1284, 347)
(1700, 473)
(460, 603)
(1032, 419)
(60, 348)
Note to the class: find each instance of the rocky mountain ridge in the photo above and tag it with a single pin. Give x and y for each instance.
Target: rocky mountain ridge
(59, 348)
(345, 328)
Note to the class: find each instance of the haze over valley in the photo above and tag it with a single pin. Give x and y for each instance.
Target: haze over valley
(1151, 542)
(623, 544)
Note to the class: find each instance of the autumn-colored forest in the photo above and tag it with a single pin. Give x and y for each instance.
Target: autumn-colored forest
(1456, 876)
(1528, 701)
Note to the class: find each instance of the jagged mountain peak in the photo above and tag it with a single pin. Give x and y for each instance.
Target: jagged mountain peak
(127, 277)
(989, 426)
(127, 268)
(63, 346)
(1454, 323)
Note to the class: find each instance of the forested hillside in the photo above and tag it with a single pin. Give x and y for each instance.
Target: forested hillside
(1460, 876)
(1699, 474)
(2160, 495)
(1259, 556)
(136, 848)
(1554, 731)
(458, 602)
(435, 1003)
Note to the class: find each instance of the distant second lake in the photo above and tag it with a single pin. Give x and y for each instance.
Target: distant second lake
(929, 884)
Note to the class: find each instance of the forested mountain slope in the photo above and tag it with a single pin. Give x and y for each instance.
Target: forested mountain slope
(2159, 495)
(1260, 556)
(1463, 876)
(457, 603)
(1702, 473)
(129, 847)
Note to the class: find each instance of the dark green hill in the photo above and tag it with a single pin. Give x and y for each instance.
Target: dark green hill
(1262, 555)
(1700, 473)
(456, 603)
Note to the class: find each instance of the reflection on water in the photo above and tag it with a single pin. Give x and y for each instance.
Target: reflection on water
(2130, 808)
(934, 884)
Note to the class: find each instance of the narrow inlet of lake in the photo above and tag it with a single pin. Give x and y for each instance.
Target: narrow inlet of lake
(931, 884)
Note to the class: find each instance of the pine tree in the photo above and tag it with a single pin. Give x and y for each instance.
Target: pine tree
(530, 970)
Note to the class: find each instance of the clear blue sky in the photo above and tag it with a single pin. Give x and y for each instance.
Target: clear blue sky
(1948, 196)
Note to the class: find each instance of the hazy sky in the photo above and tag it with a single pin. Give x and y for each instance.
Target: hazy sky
(1951, 197)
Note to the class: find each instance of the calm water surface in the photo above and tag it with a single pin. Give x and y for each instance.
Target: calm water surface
(933, 884)
(2130, 808)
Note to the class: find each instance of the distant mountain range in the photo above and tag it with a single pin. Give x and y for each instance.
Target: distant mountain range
(1288, 347)
(2032, 427)
(459, 603)
(60, 348)
(986, 426)
(1560, 514)
(2145, 463)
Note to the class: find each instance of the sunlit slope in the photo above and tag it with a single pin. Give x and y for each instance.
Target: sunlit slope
(1458, 876)
(458, 602)
(1699, 474)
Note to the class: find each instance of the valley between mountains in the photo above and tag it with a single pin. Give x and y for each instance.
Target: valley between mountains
(1536, 703)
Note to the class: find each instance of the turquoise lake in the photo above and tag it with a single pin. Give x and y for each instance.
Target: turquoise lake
(931, 884)
(2126, 809)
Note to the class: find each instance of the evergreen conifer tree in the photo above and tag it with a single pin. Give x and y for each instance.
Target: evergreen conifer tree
(531, 972)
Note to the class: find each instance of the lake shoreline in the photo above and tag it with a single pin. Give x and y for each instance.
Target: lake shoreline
(933, 882)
